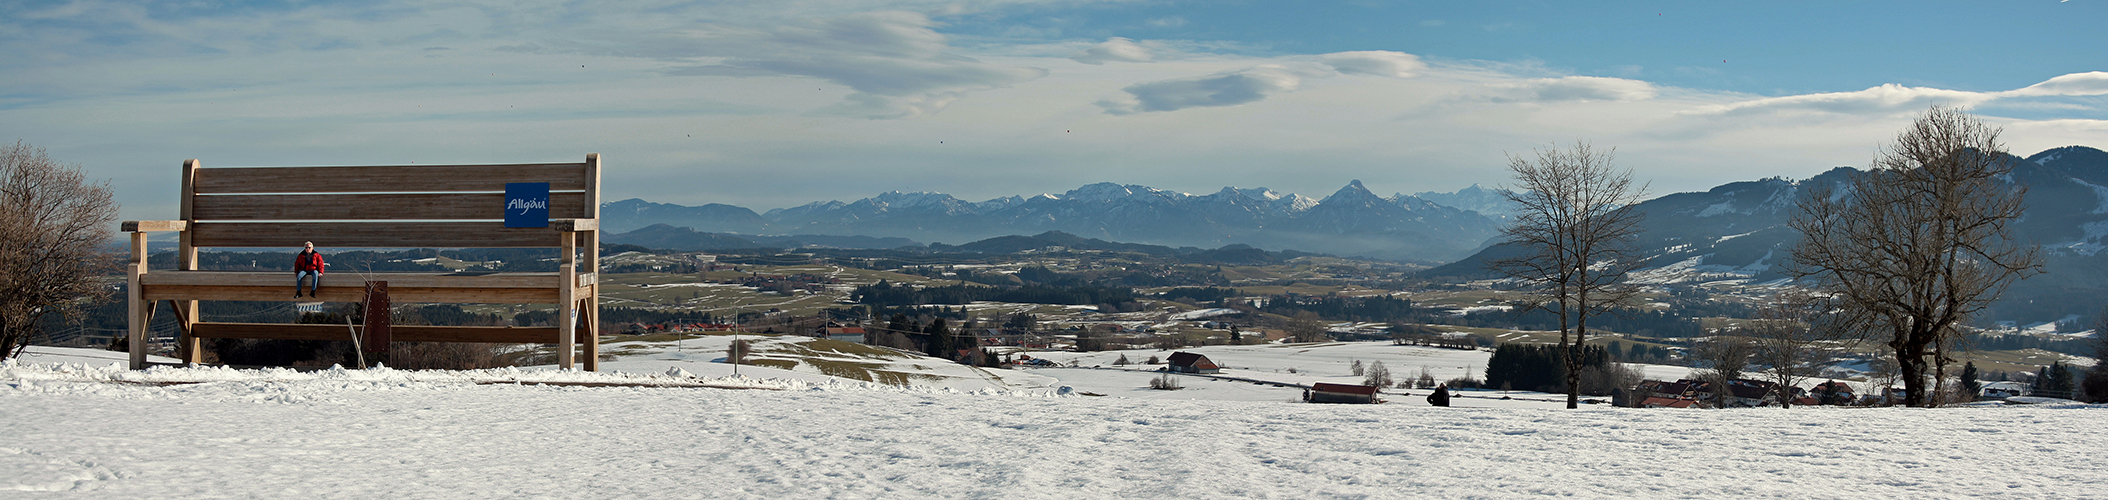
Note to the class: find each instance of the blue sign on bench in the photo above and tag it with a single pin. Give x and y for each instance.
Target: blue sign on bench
(527, 204)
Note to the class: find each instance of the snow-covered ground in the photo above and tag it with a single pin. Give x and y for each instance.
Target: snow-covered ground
(98, 429)
(1300, 364)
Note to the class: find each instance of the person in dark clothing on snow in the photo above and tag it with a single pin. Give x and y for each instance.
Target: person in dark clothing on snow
(308, 263)
(1440, 396)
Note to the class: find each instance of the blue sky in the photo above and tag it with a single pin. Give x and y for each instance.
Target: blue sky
(774, 104)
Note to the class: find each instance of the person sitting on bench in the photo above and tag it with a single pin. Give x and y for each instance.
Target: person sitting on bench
(308, 263)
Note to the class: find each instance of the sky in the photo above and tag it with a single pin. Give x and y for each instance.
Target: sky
(775, 104)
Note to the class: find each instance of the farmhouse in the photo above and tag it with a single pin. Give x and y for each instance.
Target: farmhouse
(1186, 362)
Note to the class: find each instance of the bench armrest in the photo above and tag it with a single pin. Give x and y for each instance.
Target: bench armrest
(146, 226)
(575, 225)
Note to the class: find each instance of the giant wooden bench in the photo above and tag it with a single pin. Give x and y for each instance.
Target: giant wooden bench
(410, 206)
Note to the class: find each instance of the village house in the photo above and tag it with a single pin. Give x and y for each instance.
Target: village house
(1186, 362)
(1660, 402)
(1833, 392)
(837, 331)
(1740, 393)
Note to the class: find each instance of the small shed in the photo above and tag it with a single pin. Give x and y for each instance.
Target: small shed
(1341, 393)
(1186, 362)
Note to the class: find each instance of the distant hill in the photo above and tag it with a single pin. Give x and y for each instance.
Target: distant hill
(667, 237)
(1737, 233)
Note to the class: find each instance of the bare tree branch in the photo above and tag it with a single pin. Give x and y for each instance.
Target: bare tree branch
(53, 225)
(1920, 242)
(1575, 224)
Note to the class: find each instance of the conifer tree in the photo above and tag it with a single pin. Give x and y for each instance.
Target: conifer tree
(1970, 387)
(940, 343)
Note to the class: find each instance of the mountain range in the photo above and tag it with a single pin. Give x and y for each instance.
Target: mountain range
(1352, 221)
(1734, 233)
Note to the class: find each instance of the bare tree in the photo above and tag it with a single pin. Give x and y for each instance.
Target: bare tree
(1791, 336)
(1724, 358)
(737, 352)
(52, 225)
(1307, 327)
(1920, 242)
(1574, 226)
(1377, 375)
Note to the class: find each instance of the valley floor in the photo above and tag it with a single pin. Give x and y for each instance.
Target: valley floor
(405, 435)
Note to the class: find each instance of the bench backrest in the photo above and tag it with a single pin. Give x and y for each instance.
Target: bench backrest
(433, 206)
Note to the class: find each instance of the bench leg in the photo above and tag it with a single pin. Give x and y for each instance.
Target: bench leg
(135, 315)
(589, 313)
(567, 325)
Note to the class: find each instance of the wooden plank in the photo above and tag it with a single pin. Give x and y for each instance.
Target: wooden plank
(400, 333)
(388, 234)
(574, 225)
(385, 179)
(147, 226)
(395, 206)
(352, 290)
(394, 279)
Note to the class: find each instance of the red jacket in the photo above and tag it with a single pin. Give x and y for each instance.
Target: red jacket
(308, 261)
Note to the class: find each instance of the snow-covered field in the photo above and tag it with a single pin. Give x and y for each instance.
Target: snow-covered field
(112, 433)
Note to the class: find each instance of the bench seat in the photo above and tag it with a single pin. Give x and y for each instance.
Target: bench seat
(399, 333)
(403, 287)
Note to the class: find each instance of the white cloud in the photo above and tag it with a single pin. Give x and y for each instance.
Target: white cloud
(899, 66)
(1375, 62)
(1571, 88)
(1115, 49)
(1223, 89)
(1886, 99)
(2075, 84)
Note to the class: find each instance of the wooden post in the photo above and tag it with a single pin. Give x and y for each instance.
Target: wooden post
(567, 302)
(135, 314)
(187, 345)
(591, 309)
(376, 337)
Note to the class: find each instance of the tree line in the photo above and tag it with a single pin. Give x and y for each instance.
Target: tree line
(887, 294)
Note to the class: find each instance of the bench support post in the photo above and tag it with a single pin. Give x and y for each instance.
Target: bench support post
(187, 345)
(136, 304)
(590, 311)
(377, 334)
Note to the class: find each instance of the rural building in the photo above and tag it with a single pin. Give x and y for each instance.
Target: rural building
(843, 333)
(1186, 362)
(2002, 390)
(1834, 392)
(1740, 393)
(1660, 402)
(1340, 393)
